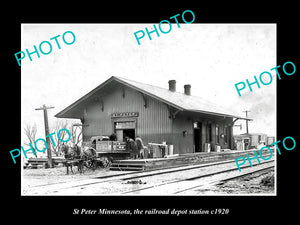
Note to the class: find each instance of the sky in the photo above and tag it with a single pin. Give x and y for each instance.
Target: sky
(210, 57)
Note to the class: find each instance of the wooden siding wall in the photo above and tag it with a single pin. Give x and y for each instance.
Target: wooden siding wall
(183, 144)
(184, 122)
(153, 123)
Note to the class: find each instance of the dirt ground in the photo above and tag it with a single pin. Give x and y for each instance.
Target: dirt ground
(41, 176)
(251, 184)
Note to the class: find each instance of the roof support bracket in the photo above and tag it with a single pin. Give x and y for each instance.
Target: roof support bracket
(172, 114)
(102, 105)
(235, 120)
(82, 120)
(145, 100)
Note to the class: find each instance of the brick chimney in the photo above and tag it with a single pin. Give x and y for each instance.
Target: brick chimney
(187, 89)
(172, 85)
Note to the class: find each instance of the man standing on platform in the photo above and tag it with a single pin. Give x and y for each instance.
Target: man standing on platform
(132, 148)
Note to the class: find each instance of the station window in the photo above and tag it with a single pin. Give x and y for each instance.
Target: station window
(197, 125)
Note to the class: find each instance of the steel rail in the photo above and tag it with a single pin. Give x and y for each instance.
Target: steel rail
(194, 178)
(226, 179)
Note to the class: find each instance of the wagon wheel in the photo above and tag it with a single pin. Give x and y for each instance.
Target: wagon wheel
(89, 163)
(106, 163)
(86, 161)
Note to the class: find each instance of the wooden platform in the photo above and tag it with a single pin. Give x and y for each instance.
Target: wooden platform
(180, 160)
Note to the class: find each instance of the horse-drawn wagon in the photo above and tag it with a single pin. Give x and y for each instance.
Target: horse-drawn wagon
(99, 152)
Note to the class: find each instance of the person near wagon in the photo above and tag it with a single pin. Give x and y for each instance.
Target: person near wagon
(131, 147)
(113, 137)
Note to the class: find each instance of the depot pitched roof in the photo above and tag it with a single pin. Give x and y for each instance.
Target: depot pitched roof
(177, 100)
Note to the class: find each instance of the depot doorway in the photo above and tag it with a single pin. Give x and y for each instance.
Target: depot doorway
(124, 129)
(129, 133)
(198, 136)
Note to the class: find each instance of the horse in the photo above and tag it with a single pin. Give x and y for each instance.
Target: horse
(132, 147)
(73, 157)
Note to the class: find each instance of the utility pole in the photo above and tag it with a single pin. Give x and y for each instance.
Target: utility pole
(246, 111)
(49, 154)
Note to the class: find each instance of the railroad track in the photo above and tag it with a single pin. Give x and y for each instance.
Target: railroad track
(184, 185)
(218, 181)
(126, 175)
(157, 182)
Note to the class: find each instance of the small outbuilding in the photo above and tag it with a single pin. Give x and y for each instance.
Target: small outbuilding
(250, 141)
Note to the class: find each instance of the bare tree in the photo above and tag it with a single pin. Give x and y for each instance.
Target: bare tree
(58, 125)
(76, 132)
(30, 132)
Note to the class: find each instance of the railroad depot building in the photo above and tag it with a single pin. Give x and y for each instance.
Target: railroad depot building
(129, 108)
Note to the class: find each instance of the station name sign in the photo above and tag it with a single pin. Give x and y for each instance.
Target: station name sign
(125, 114)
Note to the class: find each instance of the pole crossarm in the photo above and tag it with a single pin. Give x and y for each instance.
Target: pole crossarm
(45, 107)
